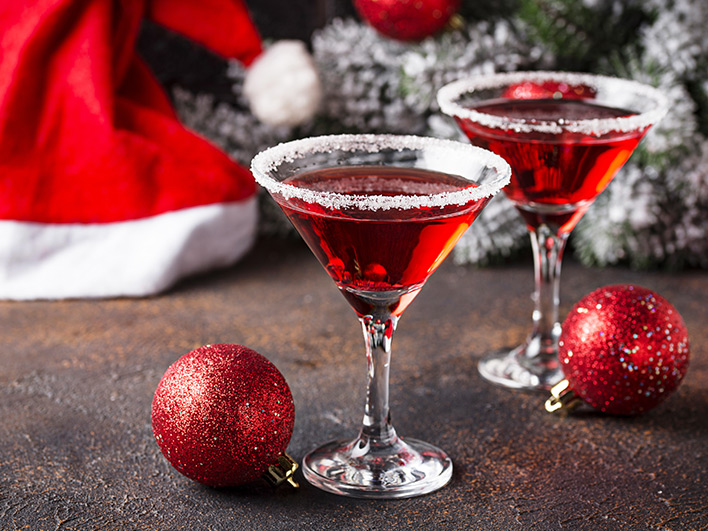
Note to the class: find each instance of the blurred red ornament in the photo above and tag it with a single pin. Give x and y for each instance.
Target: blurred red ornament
(407, 20)
(223, 415)
(529, 90)
(623, 350)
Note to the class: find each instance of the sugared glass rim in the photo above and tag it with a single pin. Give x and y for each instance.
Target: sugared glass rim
(267, 161)
(448, 95)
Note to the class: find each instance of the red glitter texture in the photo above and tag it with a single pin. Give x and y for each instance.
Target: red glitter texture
(222, 414)
(624, 349)
(407, 20)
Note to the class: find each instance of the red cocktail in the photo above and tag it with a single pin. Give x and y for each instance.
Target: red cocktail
(565, 136)
(377, 255)
(556, 176)
(380, 212)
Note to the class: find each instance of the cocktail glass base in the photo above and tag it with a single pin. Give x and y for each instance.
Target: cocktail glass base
(402, 469)
(517, 370)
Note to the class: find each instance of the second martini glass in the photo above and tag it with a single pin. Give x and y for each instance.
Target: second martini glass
(380, 212)
(565, 136)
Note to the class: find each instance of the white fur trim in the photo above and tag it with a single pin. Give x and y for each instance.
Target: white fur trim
(282, 86)
(132, 258)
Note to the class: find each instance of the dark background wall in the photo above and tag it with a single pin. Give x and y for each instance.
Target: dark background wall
(296, 19)
(177, 61)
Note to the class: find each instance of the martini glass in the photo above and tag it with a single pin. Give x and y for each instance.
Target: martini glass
(565, 136)
(380, 212)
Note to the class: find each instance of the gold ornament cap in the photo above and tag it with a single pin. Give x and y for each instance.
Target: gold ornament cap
(562, 398)
(282, 472)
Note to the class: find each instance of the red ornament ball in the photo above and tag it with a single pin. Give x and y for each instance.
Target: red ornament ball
(624, 349)
(531, 90)
(407, 20)
(222, 414)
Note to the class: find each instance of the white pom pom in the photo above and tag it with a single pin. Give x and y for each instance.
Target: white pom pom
(282, 85)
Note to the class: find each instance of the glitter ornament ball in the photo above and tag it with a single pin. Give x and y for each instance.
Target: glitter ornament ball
(623, 349)
(222, 414)
(407, 20)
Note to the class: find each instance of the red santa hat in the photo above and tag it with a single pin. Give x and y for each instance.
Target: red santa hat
(102, 191)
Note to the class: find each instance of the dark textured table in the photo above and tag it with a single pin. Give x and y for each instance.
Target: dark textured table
(77, 380)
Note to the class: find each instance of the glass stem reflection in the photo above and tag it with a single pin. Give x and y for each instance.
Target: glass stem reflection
(376, 430)
(548, 249)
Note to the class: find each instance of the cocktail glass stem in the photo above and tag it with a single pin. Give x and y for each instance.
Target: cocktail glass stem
(542, 344)
(378, 334)
(378, 463)
(534, 364)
